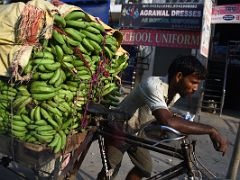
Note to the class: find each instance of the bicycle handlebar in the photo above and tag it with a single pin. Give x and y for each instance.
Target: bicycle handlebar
(167, 128)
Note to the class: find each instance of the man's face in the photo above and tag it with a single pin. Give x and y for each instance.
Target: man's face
(187, 85)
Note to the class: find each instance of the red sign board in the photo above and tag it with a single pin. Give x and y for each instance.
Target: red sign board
(161, 38)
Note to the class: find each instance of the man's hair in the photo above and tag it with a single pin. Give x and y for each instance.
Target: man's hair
(187, 65)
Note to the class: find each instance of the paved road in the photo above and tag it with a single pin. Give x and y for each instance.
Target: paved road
(227, 124)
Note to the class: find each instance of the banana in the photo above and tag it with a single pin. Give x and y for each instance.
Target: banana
(54, 110)
(69, 58)
(37, 114)
(73, 83)
(67, 123)
(58, 37)
(32, 114)
(85, 77)
(64, 86)
(66, 106)
(52, 67)
(19, 101)
(18, 128)
(78, 62)
(26, 119)
(93, 30)
(83, 49)
(57, 148)
(82, 72)
(108, 90)
(37, 84)
(63, 139)
(77, 24)
(42, 68)
(19, 123)
(59, 81)
(59, 53)
(46, 76)
(92, 36)
(46, 115)
(87, 45)
(73, 34)
(43, 61)
(74, 15)
(66, 49)
(55, 140)
(55, 77)
(108, 52)
(111, 40)
(6, 98)
(48, 49)
(18, 133)
(44, 128)
(43, 138)
(58, 118)
(32, 139)
(32, 126)
(42, 90)
(95, 45)
(28, 68)
(8, 93)
(35, 76)
(43, 55)
(112, 47)
(97, 25)
(42, 97)
(71, 41)
(41, 122)
(60, 21)
(24, 103)
(52, 103)
(96, 58)
(47, 133)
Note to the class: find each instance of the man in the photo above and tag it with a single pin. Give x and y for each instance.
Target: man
(159, 93)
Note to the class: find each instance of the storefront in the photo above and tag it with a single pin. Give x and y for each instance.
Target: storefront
(223, 85)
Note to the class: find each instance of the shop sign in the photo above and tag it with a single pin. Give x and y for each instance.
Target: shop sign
(182, 16)
(161, 38)
(226, 14)
(206, 28)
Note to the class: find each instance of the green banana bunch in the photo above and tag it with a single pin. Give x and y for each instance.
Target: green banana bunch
(80, 62)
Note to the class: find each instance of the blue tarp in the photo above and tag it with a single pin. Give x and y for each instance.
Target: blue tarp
(97, 8)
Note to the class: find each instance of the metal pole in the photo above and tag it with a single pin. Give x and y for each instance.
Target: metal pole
(234, 164)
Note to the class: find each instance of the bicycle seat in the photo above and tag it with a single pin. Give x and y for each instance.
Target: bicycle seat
(111, 114)
(97, 108)
(160, 133)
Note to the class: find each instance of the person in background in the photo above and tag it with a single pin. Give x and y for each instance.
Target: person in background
(159, 93)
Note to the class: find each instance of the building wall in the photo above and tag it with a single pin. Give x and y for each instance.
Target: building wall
(164, 56)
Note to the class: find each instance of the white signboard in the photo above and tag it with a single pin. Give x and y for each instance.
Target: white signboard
(206, 28)
(226, 14)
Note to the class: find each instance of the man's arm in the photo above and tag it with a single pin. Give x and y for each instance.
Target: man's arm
(165, 117)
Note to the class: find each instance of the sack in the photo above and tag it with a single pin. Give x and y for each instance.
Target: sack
(22, 25)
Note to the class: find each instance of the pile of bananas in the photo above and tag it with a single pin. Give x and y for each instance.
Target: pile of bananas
(79, 63)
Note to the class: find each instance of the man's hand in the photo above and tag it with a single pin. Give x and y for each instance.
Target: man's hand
(219, 142)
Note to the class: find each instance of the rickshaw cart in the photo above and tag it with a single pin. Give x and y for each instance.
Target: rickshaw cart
(34, 156)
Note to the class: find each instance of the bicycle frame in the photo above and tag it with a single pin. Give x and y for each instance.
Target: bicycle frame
(183, 153)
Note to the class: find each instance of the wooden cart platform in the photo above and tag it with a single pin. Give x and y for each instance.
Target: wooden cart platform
(35, 156)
